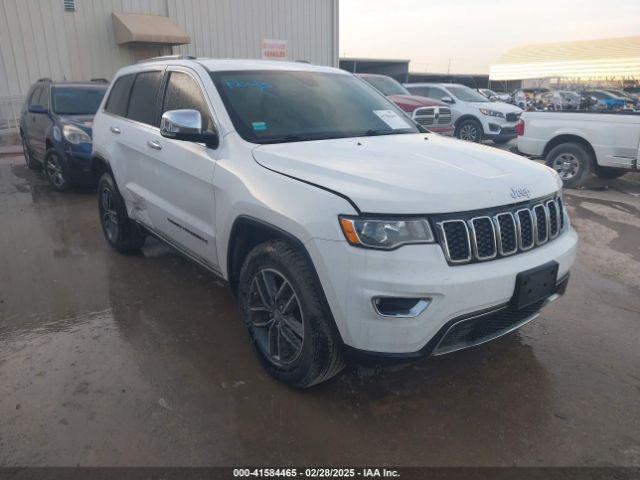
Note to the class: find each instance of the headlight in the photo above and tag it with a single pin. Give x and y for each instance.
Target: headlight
(491, 113)
(385, 234)
(75, 135)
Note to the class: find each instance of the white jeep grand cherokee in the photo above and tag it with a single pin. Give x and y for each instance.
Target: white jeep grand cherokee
(339, 224)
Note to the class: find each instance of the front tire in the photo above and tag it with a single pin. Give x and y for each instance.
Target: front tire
(573, 162)
(286, 319)
(54, 173)
(469, 130)
(609, 173)
(31, 163)
(122, 234)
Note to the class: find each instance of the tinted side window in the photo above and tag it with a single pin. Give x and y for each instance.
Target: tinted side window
(142, 104)
(44, 96)
(35, 96)
(421, 91)
(437, 93)
(119, 96)
(183, 92)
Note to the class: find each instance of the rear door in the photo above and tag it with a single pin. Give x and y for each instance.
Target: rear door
(183, 172)
(29, 123)
(42, 122)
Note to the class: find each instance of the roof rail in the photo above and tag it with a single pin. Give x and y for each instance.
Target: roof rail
(99, 80)
(45, 79)
(168, 57)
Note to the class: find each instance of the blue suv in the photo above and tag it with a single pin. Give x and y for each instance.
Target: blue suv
(55, 127)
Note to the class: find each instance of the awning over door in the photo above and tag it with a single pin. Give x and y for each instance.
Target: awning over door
(135, 28)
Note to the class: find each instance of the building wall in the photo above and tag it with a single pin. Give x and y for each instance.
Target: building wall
(39, 39)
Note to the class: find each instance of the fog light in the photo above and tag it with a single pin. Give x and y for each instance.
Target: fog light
(494, 127)
(400, 307)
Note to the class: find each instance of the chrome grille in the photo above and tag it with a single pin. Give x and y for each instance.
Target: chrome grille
(425, 116)
(444, 116)
(499, 232)
(430, 116)
(512, 117)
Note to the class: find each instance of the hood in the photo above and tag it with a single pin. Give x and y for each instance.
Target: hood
(411, 173)
(85, 122)
(498, 106)
(409, 103)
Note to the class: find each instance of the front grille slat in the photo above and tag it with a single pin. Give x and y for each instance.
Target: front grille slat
(542, 224)
(483, 238)
(500, 233)
(456, 239)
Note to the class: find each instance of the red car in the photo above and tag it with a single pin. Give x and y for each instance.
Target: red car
(432, 114)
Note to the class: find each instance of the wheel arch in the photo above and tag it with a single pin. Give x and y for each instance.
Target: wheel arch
(99, 166)
(465, 117)
(568, 138)
(246, 233)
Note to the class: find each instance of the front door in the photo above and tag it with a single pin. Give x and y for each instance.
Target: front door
(183, 177)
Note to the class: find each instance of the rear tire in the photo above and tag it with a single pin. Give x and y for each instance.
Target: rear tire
(121, 233)
(470, 130)
(286, 319)
(609, 172)
(573, 162)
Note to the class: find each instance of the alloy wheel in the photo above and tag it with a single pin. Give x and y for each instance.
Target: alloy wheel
(469, 132)
(276, 317)
(54, 171)
(109, 215)
(567, 165)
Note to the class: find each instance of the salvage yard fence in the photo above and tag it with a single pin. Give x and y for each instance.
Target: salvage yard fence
(10, 108)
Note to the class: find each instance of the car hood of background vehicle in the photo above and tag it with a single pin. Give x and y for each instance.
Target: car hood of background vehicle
(501, 107)
(85, 122)
(410, 173)
(411, 102)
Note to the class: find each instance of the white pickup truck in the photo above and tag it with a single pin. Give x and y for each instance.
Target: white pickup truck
(581, 143)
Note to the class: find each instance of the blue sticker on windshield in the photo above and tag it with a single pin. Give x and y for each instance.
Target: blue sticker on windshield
(244, 84)
(259, 126)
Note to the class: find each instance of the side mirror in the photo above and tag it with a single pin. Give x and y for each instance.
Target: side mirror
(37, 109)
(448, 99)
(186, 125)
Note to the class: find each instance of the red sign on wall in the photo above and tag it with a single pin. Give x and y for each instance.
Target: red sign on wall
(274, 49)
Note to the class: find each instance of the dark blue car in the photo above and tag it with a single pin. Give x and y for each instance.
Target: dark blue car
(55, 127)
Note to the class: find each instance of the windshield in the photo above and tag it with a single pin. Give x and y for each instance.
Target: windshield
(77, 100)
(386, 85)
(274, 106)
(466, 94)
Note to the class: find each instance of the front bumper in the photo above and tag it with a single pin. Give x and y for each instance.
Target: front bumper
(351, 277)
(76, 163)
(496, 131)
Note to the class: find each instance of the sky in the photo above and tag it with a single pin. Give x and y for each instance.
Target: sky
(466, 36)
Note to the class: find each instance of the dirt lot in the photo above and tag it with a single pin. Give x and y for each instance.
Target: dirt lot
(142, 360)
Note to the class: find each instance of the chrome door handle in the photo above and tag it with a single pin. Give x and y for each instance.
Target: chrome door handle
(115, 130)
(154, 144)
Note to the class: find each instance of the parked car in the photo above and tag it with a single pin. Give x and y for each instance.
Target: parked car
(567, 99)
(55, 128)
(633, 101)
(577, 144)
(495, 96)
(608, 101)
(429, 113)
(337, 223)
(529, 98)
(474, 116)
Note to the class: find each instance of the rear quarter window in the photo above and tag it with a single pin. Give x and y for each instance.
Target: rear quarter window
(142, 104)
(119, 96)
